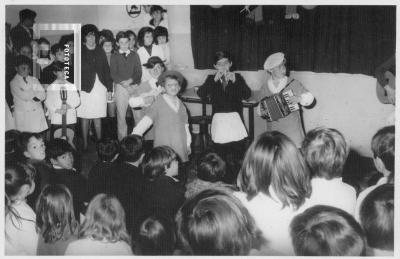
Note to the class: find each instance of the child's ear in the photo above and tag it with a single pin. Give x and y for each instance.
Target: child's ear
(26, 154)
(53, 161)
(215, 66)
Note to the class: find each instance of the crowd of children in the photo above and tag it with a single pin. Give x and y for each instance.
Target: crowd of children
(148, 194)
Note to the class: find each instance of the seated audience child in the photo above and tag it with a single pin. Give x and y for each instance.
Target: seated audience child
(383, 149)
(211, 171)
(28, 95)
(156, 236)
(132, 40)
(226, 91)
(327, 231)
(103, 232)
(20, 233)
(59, 90)
(161, 39)
(60, 154)
(377, 219)
(55, 221)
(216, 223)
(274, 183)
(161, 188)
(147, 49)
(32, 150)
(325, 151)
(169, 117)
(126, 71)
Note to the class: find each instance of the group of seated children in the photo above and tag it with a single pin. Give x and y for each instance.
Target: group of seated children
(287, 201)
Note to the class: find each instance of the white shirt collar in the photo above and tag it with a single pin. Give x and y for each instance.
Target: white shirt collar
(124, 52)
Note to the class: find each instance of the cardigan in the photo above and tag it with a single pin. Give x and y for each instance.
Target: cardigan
(94, 62)
(124, 67)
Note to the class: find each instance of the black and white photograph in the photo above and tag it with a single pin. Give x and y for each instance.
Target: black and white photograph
(190, 129)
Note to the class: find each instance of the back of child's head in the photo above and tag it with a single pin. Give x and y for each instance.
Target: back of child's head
(121, 35)
(142, 32)
(325, 151)
(383, 147)
(273, 160)
(216, 223)
(105, 220)
(156, 236)
(131, 148)
(58, 147)
(211, 168)
(22, 60)
(107, 149)
(55, 219)
(160, 31)
(156, 161)
(17, 175)
(377, 217)
(327, 231)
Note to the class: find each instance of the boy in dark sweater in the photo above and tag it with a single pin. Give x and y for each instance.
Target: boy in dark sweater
(60, 153)
(126, 71)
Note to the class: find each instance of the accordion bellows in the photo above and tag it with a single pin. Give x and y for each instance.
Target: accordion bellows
(277, 106)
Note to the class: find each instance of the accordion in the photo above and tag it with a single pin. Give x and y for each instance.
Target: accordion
(277, 106)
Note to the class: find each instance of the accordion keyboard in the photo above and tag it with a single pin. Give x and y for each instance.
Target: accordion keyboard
(292, 106)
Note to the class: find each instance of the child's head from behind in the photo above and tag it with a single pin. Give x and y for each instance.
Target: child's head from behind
(55, 217)
(105, 220)
(325, 151)
(383, 149)
(156, 236)
(161, 160)
(326, 231)
(60, 153)
(122, 40)
(131, 148)
(222, 61)
(31, 146)
(216, 223)
(173, 82)
(274, 162)
(18, 181)
(211, 168)
(160, 35)
(377, 217)
(145, 36)
(107, 149)
(23, 65)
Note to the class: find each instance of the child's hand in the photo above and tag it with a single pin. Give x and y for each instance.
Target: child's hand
(230, 76)
(109, 96)
(189, 150)
(218, 76)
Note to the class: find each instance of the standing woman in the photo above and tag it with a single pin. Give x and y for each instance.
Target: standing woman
(96, 83)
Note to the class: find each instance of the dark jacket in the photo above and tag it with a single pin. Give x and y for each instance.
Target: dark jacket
(20, 36)
(94, 62)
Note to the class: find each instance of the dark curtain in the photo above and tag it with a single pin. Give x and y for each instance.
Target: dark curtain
(335, 39)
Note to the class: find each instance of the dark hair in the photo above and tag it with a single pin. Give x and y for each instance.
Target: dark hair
(88, 28)
(215, 222)
(107, 34)
(154, 162)
(42, 40)
(160, 31)
(156, 236)
(11, 141)
(57, 147)
(23, 141)
(154, 60)
(18, 48)
(155, 8)
(27, 14)
(55, 219)
(142, 33)
(220, 55)
(105, 219)
(327, 231)
(211, 168)
(325, 151)
(57, 66)
(66, 38)
(22, 60)
(383, 146)
(56, 48)
(107, 149)
(121, 35)
(131, 33)
(131, 148)
(377, 217)
(273, 160)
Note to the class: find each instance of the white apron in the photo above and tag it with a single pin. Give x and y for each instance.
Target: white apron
(227, 127)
